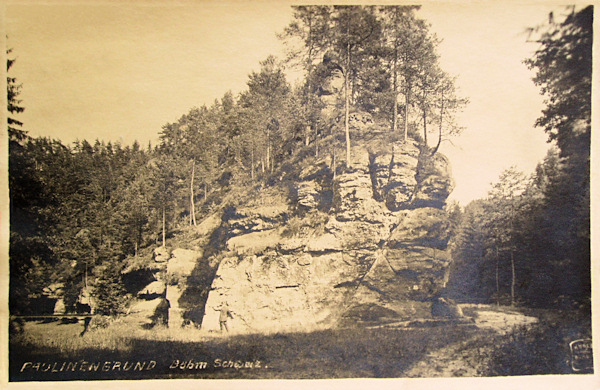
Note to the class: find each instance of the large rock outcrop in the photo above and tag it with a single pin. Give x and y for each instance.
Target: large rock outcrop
(367, 245)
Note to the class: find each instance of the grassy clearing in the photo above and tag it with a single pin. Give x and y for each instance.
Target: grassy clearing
(336, 353)
(341, 353)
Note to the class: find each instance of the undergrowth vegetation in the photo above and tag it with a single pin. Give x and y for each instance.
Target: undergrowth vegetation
(542, 348)
(312, 222)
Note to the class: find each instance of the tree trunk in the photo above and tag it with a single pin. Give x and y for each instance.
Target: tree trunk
(268, 159)
(514, 280)
(395, 90)
(138, 240)
(164, 225)
(497, 278)
(441, 122)
(333, 162)
(512, 254)
(307, 135)
(347, 103)
(192, 206)
(252, 164)
(425, 127)
(406, 103)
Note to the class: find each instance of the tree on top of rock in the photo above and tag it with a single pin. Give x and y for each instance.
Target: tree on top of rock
(403, 35)
(354, 30)
(264, 107)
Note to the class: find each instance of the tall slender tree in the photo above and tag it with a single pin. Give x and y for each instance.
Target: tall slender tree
(503, 210)
(355, 29)
(400, 40)
(15, 130)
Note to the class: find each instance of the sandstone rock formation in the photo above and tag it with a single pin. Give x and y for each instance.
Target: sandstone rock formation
(158, 301)
(337, 244)
(375, 251)
(179, 269)
(161, 254)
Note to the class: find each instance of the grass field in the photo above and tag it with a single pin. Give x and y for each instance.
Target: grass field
(55, 351)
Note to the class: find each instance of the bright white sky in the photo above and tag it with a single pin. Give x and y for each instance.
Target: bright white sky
(121, 71)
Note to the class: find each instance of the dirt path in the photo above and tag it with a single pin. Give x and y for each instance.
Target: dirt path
(469, 358)
(450, 361)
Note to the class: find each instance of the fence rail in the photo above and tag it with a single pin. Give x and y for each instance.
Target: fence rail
(55, 316)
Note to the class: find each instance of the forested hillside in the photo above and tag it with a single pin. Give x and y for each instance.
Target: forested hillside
(80, 212)
(83, 213)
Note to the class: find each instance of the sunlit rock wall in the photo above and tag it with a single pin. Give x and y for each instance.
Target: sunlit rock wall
(367, 245)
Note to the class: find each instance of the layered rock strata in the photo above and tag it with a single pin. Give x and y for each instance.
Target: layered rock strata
(369, 245)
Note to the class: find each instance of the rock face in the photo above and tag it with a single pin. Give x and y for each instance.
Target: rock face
(157, 303)
(352, 242)
(367, 245)
(331, 87)
(435, 181)
(146, 309)
(179, 269)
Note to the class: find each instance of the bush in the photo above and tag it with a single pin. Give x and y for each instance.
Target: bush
(312, 223)
(100, 322)
(293, 227)
(109, 289)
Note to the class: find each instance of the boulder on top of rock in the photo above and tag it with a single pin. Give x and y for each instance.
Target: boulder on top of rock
(183, 261)
(435, 181)
(433, 192)
(161, 254)
(427, 227)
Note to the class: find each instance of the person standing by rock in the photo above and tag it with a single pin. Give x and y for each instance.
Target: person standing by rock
(224, 315)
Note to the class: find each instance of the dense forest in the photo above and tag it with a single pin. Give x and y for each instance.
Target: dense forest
(80, 214)
(528, 242)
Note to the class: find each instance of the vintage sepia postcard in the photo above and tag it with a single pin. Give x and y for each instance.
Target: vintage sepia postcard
(202, 193)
